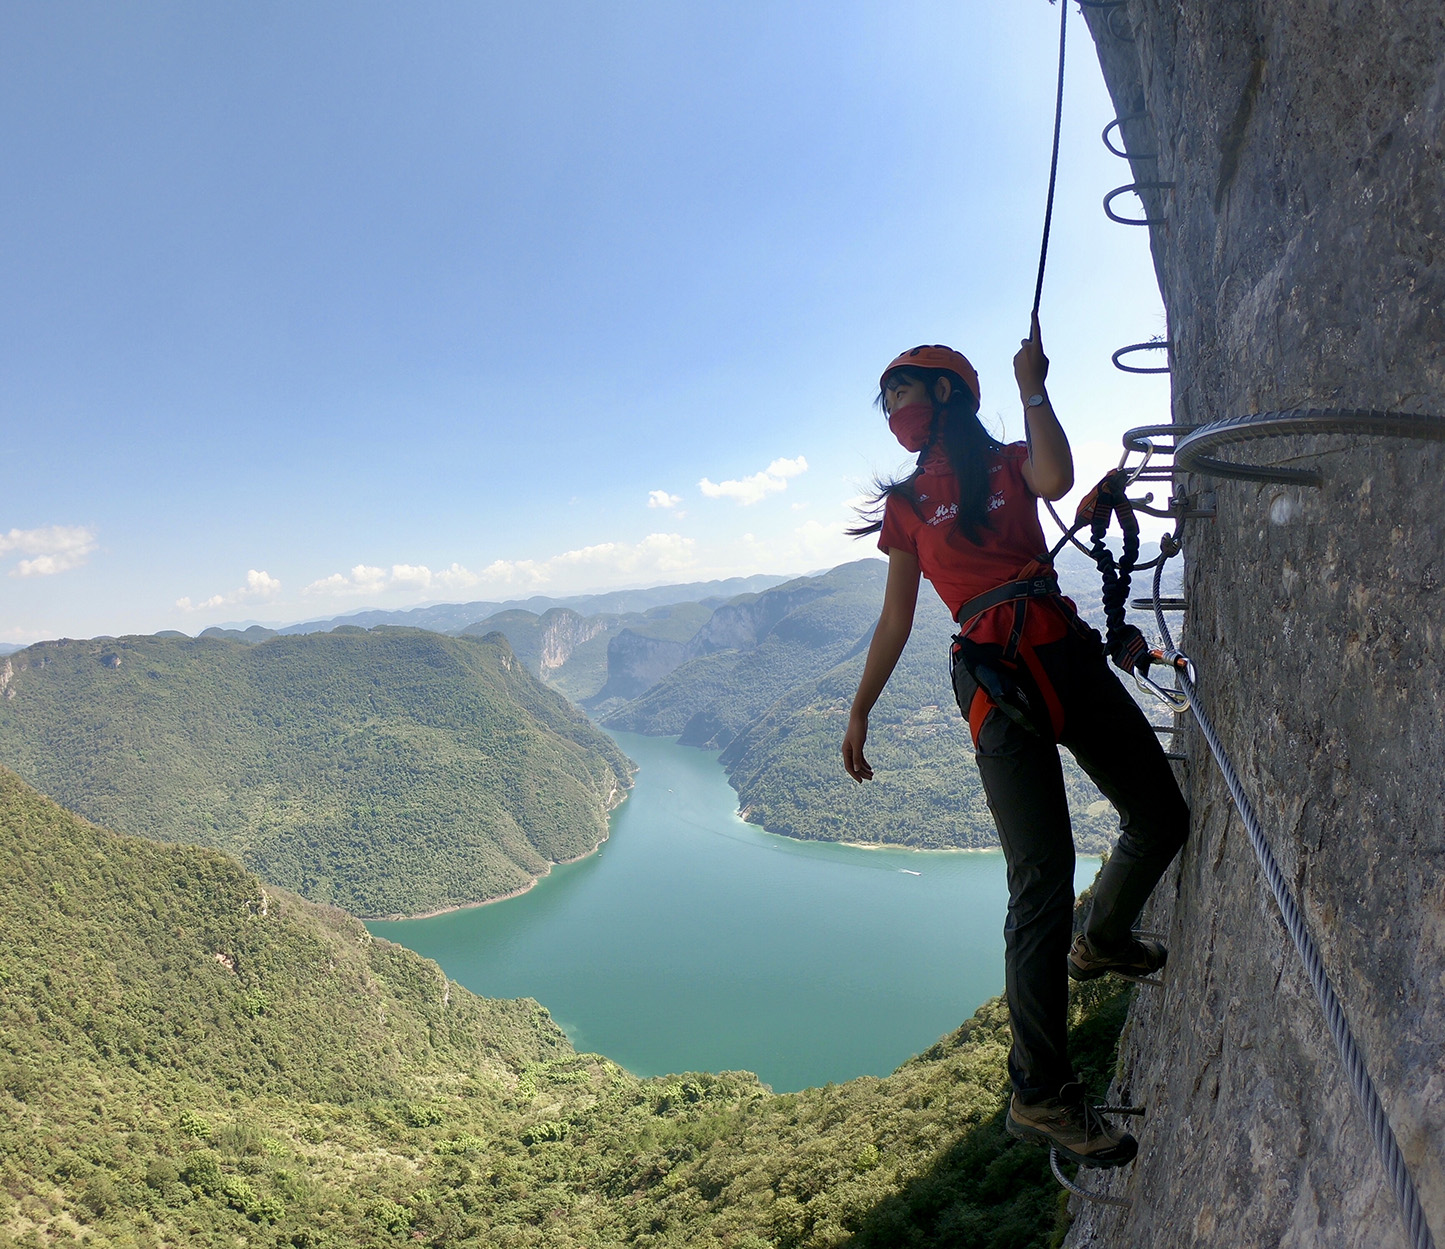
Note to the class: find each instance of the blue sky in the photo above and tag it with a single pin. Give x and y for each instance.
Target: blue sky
(314, 307)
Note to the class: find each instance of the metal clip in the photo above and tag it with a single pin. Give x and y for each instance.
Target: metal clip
(1149, 450)
(1177, 699)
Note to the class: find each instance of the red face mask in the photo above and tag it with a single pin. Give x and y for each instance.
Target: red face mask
(911, 424)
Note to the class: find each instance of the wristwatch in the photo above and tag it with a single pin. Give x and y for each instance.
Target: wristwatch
(1035, 401)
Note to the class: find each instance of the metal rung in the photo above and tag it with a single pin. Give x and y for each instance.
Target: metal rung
(1135, 187)
(1118, 124)
(1131, 349)
(1165, 604)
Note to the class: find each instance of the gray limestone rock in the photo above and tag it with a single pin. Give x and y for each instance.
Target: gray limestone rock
(1302, 261)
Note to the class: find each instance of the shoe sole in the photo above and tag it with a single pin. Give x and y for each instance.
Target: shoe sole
(1139, 975)
(1119, 1155)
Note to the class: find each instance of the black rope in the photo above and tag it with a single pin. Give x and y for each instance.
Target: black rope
(1054, 161)
(1386, 1145)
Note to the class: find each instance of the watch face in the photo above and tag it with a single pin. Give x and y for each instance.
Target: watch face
(1036, 401)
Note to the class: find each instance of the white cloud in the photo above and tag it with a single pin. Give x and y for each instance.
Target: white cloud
(658, 554)
(259, 586)
(660, 498)
(750, 490)
(369, 579)
(813, 544)
(417, 576)
(51, 549)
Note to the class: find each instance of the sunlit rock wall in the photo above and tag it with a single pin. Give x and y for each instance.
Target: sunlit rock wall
(1302, 262)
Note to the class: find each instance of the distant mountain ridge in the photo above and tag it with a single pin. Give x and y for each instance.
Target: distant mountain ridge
(454, 617)
(751, 650)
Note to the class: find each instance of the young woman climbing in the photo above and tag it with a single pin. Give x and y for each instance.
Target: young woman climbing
(1028, 675)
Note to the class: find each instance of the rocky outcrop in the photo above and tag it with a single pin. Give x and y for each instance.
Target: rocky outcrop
(1302, 262)
(560, 632)
(744, 622)
(635, 663)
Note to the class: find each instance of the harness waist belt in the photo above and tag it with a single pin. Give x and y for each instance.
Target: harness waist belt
(1034, 587)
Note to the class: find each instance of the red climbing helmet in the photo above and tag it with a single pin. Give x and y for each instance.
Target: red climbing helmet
(936, 357)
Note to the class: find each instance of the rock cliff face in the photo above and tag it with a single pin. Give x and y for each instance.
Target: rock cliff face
(635, 663)
(1302, 259)
(562, 632)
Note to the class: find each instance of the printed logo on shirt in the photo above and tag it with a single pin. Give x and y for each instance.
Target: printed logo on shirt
(995, 501)
(945, 512)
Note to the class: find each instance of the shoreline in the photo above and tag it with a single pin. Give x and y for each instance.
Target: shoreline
(894, 845)
(611, 806)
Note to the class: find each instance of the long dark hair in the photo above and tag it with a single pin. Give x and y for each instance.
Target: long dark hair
(968, 446)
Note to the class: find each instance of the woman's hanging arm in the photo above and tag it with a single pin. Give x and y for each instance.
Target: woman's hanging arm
(895, 623)
(1049, 471)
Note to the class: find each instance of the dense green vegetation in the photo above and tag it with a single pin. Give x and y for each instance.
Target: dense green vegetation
(187, 1058)
(390, 772)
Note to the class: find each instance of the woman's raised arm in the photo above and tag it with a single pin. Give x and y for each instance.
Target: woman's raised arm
(1049, 471)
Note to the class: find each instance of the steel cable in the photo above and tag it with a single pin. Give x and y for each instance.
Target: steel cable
(1364, 1089)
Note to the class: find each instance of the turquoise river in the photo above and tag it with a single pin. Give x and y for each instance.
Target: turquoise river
(692, 941)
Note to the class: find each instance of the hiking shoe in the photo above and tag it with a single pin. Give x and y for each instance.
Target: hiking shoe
(1073, 1127)
(1135, 961)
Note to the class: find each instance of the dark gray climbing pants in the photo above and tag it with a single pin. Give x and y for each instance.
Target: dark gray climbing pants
(1108, 734)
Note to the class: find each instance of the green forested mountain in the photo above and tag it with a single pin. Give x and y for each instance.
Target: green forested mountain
(753, 649)
(188, 1058)
(391, 772)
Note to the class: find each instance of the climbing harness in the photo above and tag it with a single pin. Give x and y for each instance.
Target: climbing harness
(1002, 680)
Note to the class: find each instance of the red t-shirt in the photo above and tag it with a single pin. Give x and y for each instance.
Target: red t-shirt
(960, 569)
